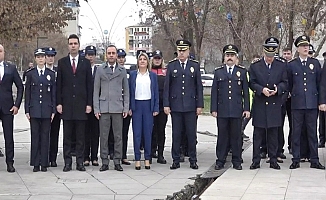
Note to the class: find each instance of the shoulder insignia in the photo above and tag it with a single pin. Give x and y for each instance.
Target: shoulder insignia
(243, 67)
(30, 69)
(194, 60)
(172, 60)
(280, 59)
(292, 59)
(220, 67)
(50, 70)
(256, 61)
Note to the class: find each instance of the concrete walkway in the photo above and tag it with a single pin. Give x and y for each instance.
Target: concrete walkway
(55, 184)
(266, 183)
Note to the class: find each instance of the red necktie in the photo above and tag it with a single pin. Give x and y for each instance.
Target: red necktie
(73, 66)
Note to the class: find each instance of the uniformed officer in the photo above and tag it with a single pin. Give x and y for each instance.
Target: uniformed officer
(50, 54)
(304, 79)
(268, 81)
(40, 109)
(183, 98)
(229, 103)
(92, 128)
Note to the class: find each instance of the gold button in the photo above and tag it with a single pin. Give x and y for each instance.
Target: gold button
(229, 81)
(305, 89)
(230, 97)
(183, 81)
(40, 96)
(304, 83)
(183, 88)
(230, 92)
(304, 73)
(183, 75)
(229, 86)
(40, 101)
(183, 93)
(41, 84)
(304, 79)
(266, 103)
(40, 90)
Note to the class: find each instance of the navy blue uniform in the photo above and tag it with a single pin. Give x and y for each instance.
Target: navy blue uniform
(40, 105)
(267, 111)
(229, 98)
(183, 93)
(304, 79)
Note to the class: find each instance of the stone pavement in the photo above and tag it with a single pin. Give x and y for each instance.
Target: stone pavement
(266, 183)
(55, 184)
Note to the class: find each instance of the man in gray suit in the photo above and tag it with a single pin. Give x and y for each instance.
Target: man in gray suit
(110, 105)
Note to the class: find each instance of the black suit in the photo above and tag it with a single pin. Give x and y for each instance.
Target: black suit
(10, 76)
(74, 93)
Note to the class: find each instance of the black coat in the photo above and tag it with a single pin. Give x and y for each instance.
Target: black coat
(267, 111)
(74, 91)
(6, 97)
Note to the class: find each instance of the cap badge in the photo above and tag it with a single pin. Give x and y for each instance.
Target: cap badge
(304, 37)
(272, 40)
(181, 42)
(91, 47)
(50, 49)
(230, 47)
(175, 71)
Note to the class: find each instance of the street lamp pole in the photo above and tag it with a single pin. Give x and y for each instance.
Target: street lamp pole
(96, 19)
(116, 17)
(98, 31)
(111, 37)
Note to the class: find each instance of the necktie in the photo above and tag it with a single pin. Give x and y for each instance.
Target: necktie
(269, 66)
(183, 65)
(41, 72)
(111, 68)
(73, 66)
(230, 70)
(304, 63)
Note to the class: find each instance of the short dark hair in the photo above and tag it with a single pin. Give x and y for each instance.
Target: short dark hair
(112, 45)
(73, 36)
(287, 49)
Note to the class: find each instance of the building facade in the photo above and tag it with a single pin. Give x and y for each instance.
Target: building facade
(73, 26)
(139, 37)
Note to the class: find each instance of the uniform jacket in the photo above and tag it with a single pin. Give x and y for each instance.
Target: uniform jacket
(74, 91)
(161, 73)
(10, 77)
(40, 93)
(154, 91)
(111, 90)
(183, 89)
(230, 93)
(266, 111)
(304, 83)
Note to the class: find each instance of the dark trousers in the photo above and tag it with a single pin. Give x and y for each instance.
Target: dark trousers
(272, 142)
(229, 133)
(142, 126)
(322, 127)
(125, 131)
(92, 137)
(309, 118)
(40, 133)
(54, 137)
(304, 144)
(73, 128)
(289, 114)
(158, 136)
(8, 133)
(189, 121)
(244, 123)
(280, 136)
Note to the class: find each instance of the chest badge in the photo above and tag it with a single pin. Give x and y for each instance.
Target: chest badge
(175, 71)
(48, 77)
(192, 69)
(311, 66)
(238, 74)
(239, 82)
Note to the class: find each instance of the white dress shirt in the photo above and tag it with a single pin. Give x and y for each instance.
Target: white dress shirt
(93, 69)
(230, 68)
(113, 66)
(76, 60)
(185, 63)
(2, 70)
(39, 70)
(143, 86)
(303, 60)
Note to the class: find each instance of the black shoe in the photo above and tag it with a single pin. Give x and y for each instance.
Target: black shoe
(118, 167)
(161, 160)
(104, 168)
(10, 168)
(182, 157)
(147, 167)
(175, 166)
(218, 167)
(111, 156)
(81, 167)
(254, 165)
(44, 169)
(1, 154)
(53, 164)
(154, 154)
(295, 165)
(193, 165)
(67, 168)
(274, 165)
(317, 166)
(302, 159)
(36, 169)
(282, 156)
(321, 145)
(125, 162)
(268, 160)
(237, 167)
(137, 167)
(86, 163)
(279, 160)
(95, 163)
(263, 155)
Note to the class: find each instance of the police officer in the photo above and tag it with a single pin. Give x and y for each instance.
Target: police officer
(50, 54)
(230, 86)
(304, 79)
(183, 98)
(268, 80)
(40, 109)
(92, 128)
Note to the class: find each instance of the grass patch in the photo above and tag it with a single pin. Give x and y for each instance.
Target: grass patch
(207, 104)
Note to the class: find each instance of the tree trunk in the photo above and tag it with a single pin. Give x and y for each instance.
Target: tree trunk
(291, 19)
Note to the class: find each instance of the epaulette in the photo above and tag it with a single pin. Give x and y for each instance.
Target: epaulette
(220, 67)
(194, 60)
(30, 69)
(280, 59)
(50, 70)
(256, 61)
(173, 60)
(292, 59)
(243, 67)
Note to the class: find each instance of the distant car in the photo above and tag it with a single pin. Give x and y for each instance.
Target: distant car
(207, 80)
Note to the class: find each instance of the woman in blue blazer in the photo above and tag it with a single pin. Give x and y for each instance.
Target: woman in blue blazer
(144, 105)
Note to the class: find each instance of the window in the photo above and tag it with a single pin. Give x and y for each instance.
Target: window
(131, 31)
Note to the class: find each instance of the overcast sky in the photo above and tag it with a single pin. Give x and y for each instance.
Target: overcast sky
(106, 10)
